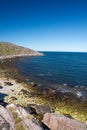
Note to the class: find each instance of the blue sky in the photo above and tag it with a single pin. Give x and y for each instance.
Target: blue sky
(48, 25)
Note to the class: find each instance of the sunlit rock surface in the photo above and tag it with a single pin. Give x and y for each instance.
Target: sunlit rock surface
(59, 122)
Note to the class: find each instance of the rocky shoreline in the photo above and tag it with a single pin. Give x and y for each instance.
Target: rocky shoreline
(37, 102)
(24, 55)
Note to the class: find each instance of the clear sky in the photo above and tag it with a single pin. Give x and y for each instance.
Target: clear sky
(48, 25)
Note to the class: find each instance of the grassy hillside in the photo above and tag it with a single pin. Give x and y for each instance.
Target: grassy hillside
(9, 49)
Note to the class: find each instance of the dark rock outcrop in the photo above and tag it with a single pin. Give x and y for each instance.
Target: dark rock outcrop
(39, 109)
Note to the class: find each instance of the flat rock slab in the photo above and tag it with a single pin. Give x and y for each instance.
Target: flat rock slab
(28, 121)
(59, 122)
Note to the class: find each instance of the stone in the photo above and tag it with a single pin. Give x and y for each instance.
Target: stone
(24, 92)
(13, 98)
(39, 109)
(8, 83)
(59, 122)
(6, 120)
(4, 125)
(28, 120)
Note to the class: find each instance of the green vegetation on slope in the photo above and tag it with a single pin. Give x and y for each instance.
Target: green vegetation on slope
(9, 49)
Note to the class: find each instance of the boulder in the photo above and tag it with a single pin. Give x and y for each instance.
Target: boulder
(28, 121)
(59, 122)
(13, 98)
(6, 120)
(39, 109)
(4, 125)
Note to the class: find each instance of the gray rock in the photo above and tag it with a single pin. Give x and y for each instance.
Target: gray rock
(58, 122)
(28, 121)
(6, 119)
(4, 125)
(39, 109)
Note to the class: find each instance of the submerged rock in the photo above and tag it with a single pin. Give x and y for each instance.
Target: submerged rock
(58, 122)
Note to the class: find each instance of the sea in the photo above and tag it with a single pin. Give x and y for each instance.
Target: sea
(54, 68)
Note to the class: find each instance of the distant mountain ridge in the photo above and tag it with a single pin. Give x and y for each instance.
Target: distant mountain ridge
(11, 50)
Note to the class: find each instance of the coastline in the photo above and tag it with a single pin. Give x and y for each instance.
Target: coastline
(21, 93)
(24, 55)
(16, 93)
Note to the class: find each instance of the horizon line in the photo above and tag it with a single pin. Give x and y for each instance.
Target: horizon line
(66, 51)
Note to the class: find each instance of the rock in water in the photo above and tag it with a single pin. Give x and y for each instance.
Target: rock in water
(58, 122)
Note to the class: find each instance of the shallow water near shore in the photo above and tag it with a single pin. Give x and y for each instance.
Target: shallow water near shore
(56, 70)
(56, 67)
(62, 71)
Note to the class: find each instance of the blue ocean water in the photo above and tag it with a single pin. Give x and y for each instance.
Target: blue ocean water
(55, 68)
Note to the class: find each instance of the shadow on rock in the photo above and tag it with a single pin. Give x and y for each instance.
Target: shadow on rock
(2, 96)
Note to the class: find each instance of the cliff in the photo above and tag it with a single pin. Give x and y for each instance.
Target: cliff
(9, 50)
